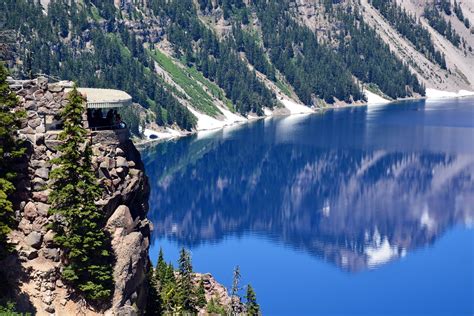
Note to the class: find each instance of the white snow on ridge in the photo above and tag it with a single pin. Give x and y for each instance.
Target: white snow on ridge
(295, 108)
(438, 94)
(373, 98)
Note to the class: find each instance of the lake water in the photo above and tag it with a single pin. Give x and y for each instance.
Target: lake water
(356, 211)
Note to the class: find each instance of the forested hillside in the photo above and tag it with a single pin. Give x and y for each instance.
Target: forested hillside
(176, 57)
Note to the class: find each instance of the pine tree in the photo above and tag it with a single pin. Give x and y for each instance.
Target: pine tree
(185, 285)
(79, 224)
(10, 149)
(253, 309)
(201, 295)
(161, 268)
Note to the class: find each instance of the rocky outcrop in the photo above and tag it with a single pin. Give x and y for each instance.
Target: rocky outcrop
(125, 202)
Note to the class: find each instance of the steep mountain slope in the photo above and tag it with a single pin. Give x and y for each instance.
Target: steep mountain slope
(205, 63)
(459, 59)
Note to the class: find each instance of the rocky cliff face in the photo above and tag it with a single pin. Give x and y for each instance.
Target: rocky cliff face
(125, 201)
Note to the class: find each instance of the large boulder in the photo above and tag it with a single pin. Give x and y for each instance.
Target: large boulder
(30, 211)
(121, 218)
(131, 252)
(34, 239)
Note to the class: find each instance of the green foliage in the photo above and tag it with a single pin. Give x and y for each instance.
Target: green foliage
(199, 98)
(214, 308)
(118, 59)
(10, 150)
(313, 70)
(8, 309)
(253, 309)
(371, 60)
(79, 224)
(217, 60)
(131, 116)
(185, 290)
(201, 295)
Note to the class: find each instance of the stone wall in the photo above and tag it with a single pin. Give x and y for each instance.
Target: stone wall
(125, 202)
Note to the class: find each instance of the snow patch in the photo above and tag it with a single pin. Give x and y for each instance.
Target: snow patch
(295, 108)
(439, 94)
(373, 98)
(169, 133)
(206, 122)
(267, 112)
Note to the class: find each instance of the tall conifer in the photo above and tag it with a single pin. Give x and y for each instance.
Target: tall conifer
(10, 149)
(253, 309)
(185, 285)
(79, 223)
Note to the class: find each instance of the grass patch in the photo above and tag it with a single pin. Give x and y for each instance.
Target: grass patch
(182, 76)
(283, 87)
(213, 88)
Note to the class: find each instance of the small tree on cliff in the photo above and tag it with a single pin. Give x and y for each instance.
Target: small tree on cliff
(10, 149)
(201, 295)
(79, 224)
(253, 309)
(185, 284)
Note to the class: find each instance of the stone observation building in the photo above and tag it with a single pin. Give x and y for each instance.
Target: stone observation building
(124, 201)
(102, 114)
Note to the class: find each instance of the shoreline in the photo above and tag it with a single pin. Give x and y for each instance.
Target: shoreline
(143, 143)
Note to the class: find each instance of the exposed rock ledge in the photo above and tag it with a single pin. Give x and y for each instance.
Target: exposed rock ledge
(125, 201)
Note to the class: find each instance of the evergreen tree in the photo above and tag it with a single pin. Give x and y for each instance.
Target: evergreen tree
(10, 149)
(185, 285)
(253, 309)
(154, 303)
(214, 308)
(79, 224)
(201, 295)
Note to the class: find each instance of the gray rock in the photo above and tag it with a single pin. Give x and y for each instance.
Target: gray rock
(104, 164)
(51, 253)
(122, 172)
(29, 253)
(34, 240)
(30, 211)
(55, 88)
(41, 196)
(30, 105)
(121, 162)
(25, 226)
(129, 271)
(42, 82)
(43, 208)
(48, 238)
(34, 123)
(42, 173)
(119, 152)
(38, 184)
(121, 218)
(49, 309)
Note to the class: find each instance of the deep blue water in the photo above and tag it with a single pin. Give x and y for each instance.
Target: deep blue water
(357, 211)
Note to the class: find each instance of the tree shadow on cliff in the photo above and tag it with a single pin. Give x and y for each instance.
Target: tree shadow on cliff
(12, 275)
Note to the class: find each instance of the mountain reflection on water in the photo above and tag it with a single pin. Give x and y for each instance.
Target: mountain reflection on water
(357, 187)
